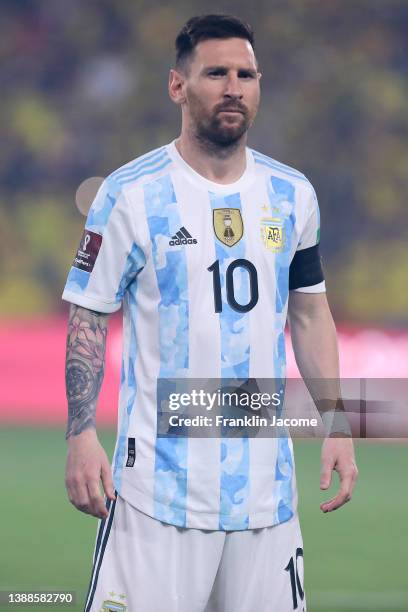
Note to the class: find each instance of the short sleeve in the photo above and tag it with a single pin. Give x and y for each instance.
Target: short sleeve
(310, 235)
(306, 273)
(108, 256)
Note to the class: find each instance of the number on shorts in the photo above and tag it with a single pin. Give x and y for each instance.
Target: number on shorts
(296, 585)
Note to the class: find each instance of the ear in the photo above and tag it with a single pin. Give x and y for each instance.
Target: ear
(176, 86)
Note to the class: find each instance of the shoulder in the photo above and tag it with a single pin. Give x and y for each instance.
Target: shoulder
(149, 166)
(121, 189)
(269, 165)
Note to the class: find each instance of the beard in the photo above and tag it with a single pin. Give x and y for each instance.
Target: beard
(216, 131)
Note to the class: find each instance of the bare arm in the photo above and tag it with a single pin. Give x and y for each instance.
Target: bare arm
(85, 362)
(87, 462)
(313, 335)
(314, 342)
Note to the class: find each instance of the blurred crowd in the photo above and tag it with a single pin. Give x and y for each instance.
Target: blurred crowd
(84, 90)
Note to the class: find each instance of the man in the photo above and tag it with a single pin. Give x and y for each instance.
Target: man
(201, 241)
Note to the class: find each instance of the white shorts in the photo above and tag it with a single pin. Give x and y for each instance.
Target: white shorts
(144, 565)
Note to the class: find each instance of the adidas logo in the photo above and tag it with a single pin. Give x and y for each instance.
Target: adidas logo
(182, 237)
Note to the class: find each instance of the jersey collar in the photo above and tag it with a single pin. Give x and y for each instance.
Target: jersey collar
(240, 185)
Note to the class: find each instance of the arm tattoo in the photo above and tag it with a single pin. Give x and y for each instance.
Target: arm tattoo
(84, 368)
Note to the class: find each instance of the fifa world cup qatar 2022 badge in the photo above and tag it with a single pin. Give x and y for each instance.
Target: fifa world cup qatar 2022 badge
(88, 251)
(228, 225)
(273, 233)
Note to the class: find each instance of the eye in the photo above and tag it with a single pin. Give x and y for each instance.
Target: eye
(246, 74)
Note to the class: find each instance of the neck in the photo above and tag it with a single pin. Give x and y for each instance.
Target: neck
(219, 164)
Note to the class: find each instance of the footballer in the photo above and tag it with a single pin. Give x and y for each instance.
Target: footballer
(208, 246)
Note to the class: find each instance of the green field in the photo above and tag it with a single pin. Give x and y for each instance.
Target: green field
(355, 558)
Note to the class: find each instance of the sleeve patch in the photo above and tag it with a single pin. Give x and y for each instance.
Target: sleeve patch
(88, 251)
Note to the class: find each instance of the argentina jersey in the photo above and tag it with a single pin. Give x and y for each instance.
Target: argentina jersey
(202, 271)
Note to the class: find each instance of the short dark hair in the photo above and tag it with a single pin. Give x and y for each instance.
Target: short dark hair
(205, 27)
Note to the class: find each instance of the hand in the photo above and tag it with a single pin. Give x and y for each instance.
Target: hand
(338, 454)
(87, 464)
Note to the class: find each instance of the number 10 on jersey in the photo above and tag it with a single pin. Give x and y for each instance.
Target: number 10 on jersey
(229, 285)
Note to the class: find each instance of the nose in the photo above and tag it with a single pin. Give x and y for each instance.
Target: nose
(233, 86)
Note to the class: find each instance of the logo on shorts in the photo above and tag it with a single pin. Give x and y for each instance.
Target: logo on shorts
(228, 225)
(109, 605)
(273, 233)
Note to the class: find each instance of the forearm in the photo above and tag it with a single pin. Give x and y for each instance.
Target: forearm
(85, 363)
(314, 340)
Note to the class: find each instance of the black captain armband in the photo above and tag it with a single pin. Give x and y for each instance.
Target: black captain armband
(306, 268)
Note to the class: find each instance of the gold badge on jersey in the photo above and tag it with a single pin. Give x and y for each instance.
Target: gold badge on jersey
(228, 225)
(273, 233)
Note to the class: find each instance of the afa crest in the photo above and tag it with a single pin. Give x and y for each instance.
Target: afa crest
(273, 233)
(228, 225)
(113, 606)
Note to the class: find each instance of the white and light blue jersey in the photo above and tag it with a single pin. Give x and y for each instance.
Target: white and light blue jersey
(202, 272)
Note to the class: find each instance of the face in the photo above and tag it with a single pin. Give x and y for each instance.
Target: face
(220, 91)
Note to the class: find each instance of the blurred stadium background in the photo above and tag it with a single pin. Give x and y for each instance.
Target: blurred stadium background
(84, 90)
